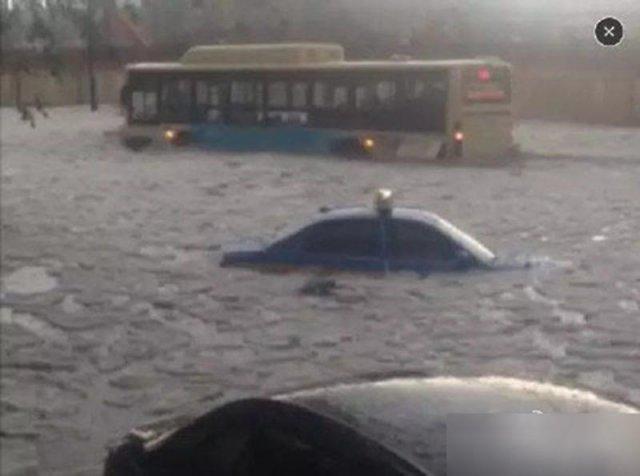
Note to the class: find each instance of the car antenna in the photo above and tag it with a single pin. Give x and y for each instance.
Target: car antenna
(383, 201)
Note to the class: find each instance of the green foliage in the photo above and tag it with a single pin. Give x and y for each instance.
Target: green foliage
(133, 12)
(10, 18)
(39, 29)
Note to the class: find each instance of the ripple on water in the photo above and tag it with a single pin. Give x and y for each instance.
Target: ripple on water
(536, 296)
(568, 317)
(548, 346)
(599, 380)
(32, 324)
(517, 260)
(629, 305)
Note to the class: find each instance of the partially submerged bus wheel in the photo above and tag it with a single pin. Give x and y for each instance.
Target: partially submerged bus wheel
(177, 137)
(136, 143)
(355, 147)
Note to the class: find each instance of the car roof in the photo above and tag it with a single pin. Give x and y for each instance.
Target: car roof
(409, 415)
(404, 213)
(412, 214)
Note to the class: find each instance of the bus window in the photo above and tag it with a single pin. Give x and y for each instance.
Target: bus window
(143, 99)
(330, 97)
(386, 94)
(320, 95)
(284, 110)
(246, 93)
(365, 98)
(176, 100)
(208, 94)
(277, 95)
(209, 101)
(425, 90)
(144, 105)
(424, 107)
(202, 93)
(299, 95)
(380, 95)
(246, 103)
(340, 97)
(215, 95)
(414, 89)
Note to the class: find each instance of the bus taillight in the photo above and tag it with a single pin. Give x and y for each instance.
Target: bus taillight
(458, 136)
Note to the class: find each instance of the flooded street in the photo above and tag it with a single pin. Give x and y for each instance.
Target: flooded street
(115, 311)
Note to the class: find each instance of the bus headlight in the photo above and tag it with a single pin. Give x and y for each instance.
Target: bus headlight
(368, 143)
(177, 137)
(170, 135)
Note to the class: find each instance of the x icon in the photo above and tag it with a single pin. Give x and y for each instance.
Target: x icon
(609, 31)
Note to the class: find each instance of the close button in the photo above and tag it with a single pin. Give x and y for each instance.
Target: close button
(609, 31)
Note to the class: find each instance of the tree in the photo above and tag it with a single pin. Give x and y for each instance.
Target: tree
(44, 25)
(85, 15)
(25, 25)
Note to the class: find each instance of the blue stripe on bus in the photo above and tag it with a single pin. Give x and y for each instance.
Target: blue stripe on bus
(281, 138)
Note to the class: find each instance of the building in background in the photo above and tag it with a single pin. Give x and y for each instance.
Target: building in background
(559, 69)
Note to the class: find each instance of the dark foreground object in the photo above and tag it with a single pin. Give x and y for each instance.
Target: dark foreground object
(389, 427)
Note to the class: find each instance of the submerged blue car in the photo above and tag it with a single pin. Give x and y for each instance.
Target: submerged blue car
(383, 238)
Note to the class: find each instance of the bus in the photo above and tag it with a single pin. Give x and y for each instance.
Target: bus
(306, 98)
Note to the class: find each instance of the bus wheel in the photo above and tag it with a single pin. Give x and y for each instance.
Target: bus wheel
(136, 143)
(442, 153)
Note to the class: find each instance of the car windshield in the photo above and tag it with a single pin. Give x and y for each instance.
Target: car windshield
(466, 241)
(164, 170)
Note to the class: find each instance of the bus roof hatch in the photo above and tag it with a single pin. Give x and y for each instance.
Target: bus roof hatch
(277, 54)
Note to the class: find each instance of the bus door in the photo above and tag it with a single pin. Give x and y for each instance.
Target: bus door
(425, 96)
(425, 106)
(176, 100)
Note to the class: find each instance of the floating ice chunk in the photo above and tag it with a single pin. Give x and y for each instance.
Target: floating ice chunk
(569, 317)
(551, 348)
(29, 280)
(629, 305)
(70, 305)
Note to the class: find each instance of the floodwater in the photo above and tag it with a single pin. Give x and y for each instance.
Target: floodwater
(115, 311)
